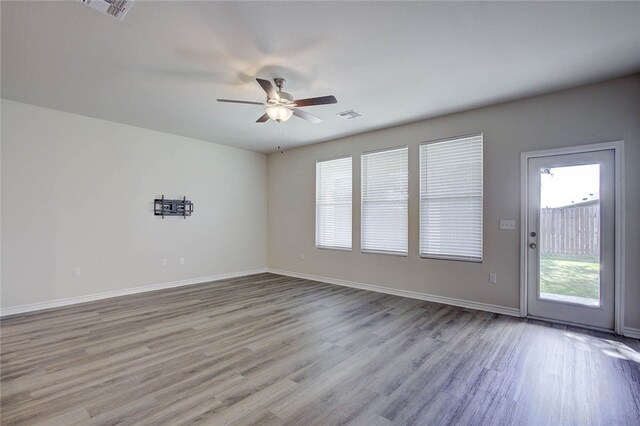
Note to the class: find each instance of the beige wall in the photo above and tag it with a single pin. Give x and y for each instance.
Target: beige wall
(597, 113)
(78, 191)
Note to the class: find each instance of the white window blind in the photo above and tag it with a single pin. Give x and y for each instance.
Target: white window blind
(385, 181)
(333, 203)
(451, 198)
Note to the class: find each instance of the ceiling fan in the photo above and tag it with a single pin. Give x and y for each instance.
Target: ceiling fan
(281, 105)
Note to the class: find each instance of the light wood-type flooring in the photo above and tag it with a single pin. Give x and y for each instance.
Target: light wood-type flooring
(268, 349)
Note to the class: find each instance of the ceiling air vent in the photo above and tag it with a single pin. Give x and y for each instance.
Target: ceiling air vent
(349, 115)
(115, 8)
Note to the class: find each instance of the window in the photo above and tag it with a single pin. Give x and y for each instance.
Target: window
(333, 203)
(451, 198)
(385, 181)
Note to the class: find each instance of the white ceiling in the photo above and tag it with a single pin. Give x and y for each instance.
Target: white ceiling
(163, 67)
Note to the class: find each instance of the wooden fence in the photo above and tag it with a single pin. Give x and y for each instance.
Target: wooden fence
(570, 230)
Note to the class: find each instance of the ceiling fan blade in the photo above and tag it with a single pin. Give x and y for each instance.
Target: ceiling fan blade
(265, 117)
(322, 100)
(268, 87)
(306, 116)
(233, 101)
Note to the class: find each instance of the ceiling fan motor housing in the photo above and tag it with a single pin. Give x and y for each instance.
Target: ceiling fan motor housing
(285, 98)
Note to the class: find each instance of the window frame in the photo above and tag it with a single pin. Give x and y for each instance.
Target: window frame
(323, 247)
(383, 252)
(450, 257)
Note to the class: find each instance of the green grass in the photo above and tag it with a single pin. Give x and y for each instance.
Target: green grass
(570, 275)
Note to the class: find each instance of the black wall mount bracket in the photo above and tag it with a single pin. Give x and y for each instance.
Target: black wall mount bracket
(165, 207)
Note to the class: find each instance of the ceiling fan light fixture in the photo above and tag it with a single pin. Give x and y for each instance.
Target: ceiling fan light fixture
(279, 113)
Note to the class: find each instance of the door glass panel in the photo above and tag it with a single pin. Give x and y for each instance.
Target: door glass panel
(569, 237)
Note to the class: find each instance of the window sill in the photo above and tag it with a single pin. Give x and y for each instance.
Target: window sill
(388, 253)
(451, 258)
(334, 248)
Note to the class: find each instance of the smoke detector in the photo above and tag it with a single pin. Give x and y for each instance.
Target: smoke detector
(349, 115)
(114, 8)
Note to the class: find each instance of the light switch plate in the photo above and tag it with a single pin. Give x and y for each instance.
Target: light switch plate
(508, 224)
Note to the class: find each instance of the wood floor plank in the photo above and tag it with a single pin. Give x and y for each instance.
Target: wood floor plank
(268, 349)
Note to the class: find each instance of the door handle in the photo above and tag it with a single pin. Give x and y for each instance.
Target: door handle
(532, 245)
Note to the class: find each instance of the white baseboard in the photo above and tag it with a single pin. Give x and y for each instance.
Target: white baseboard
(632, 332)
(13, 310)
(515, 312)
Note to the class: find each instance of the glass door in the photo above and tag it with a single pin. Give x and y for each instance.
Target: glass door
(570, 238)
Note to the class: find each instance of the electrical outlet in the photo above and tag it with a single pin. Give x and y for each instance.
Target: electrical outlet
(182, 260)
(76, 272)
(492, 278)
(164, 263)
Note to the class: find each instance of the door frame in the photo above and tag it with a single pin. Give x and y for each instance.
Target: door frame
(619, 261)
